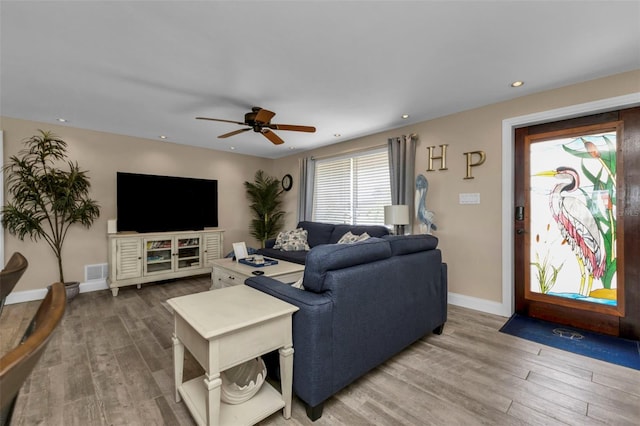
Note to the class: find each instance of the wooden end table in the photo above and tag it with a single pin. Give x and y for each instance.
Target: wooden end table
(227, 272)
(223, 328)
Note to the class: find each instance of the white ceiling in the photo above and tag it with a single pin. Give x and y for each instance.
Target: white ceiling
(148, 68)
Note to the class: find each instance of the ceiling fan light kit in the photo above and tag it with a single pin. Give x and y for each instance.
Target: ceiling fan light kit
(259, 120)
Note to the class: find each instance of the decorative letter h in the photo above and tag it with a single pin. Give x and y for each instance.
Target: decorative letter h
(442, 158)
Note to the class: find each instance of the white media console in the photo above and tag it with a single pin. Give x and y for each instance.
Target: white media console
(136, 258)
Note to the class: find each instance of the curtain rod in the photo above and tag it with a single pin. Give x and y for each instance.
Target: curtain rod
(353, 151)
(350, 151)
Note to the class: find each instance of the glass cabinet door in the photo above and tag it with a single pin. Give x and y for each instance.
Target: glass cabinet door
(188, 251)
(157, 256)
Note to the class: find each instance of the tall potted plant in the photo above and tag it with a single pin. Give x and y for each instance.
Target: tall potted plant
(49, 193)
(265, 194)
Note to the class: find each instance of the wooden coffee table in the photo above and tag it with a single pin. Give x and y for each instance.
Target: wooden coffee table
(223, 328)
(228, 272)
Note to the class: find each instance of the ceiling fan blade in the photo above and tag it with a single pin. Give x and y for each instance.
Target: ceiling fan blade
(235, 132)
(218, 119)
(264, 116)
(309, 129)
(275, 139)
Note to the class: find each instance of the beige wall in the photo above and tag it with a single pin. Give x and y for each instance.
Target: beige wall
(103, 154)
(470, 235)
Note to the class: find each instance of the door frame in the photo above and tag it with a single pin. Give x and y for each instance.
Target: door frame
(507, 307)
(2, 197)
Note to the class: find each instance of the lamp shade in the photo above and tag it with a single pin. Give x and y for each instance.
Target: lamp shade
(396, 215)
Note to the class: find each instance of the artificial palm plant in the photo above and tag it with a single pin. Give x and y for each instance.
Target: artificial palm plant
(265, 194)
(48, 192)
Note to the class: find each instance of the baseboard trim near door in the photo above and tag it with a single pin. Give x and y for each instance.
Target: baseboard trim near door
(478, 304)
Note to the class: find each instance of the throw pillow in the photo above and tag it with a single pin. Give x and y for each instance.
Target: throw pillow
(350, 238)
(364, 236)
(295, 240)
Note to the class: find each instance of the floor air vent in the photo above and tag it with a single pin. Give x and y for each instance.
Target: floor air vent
(96, 272)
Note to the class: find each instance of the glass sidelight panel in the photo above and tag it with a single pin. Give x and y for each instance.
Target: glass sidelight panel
(572, 216)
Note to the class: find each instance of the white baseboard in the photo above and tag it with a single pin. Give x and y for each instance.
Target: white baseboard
(25, 296)
(478, 304)
(470, 302)
(94, 285)
(29, 295)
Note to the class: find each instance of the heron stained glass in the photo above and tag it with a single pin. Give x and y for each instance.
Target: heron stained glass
(573, 218)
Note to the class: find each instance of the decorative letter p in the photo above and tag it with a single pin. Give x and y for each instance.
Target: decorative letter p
(470, 164)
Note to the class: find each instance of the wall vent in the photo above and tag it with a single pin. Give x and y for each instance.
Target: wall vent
(96, 272)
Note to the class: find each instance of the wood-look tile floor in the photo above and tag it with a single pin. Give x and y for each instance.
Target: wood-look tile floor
(110, 363)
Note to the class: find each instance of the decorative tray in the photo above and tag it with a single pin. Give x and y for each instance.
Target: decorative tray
(267, 262)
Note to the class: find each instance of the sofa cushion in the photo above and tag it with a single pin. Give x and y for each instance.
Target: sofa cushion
(295, 240)
(331, 257)
(340, 230)
(318, 233)
(405, 244)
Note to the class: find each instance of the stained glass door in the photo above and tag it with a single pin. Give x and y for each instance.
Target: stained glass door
(573, 234)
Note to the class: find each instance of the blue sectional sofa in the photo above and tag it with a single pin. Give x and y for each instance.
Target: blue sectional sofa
(319, 233)
(361, 304)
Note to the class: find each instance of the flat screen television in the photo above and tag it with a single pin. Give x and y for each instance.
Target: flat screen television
(151, 203)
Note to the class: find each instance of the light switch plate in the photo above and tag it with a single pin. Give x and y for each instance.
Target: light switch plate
(469, 198)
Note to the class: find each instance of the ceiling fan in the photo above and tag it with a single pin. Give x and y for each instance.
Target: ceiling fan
(259, 120)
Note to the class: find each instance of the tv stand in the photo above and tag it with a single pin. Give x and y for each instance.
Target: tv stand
(137, 258)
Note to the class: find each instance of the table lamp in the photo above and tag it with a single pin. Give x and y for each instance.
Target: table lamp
(398, 216)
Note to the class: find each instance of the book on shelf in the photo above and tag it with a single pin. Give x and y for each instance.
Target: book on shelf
(164, 244)
(155, 258)
(189, 242)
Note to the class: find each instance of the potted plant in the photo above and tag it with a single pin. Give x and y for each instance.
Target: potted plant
(49, 193)
(265, 194)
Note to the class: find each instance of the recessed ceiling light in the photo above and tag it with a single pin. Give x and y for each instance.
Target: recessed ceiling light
(405, 116)
(292, 148)
(336, 135)
(162, 137)
(62, 120)
(233, 148)
(517, 83)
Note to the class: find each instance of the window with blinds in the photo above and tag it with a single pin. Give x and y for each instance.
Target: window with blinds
(353, 189)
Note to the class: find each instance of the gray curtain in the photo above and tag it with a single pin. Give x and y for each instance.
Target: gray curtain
(402, 163)
(305, 196)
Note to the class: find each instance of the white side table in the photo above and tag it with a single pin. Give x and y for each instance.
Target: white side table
(223, 328)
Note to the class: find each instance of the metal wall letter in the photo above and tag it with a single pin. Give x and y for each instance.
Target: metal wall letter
(470, 164)
(442, 158)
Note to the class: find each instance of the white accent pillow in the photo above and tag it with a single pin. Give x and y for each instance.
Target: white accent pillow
(295, 240)
(298, 284)
(350, 238)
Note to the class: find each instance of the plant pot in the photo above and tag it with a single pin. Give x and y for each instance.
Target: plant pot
(72, 288)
